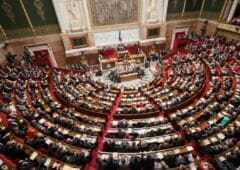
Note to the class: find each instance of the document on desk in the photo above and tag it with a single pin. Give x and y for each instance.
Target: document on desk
(33, 155)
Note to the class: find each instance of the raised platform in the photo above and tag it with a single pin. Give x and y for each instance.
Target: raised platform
(130, 81)
(128, 77)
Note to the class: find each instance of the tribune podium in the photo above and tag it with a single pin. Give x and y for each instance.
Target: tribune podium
(123, 57)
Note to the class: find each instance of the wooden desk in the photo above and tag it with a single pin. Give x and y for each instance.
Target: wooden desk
(107, 64)
(139, 58)
(121, 54)
(129, 77)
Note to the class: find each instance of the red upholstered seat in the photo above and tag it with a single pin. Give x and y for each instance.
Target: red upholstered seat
(30, 132)
(132, 49)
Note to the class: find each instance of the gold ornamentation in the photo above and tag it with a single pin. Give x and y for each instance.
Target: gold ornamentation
(3, 33)
(47, 29)
(191, 14)
(39, 5)
(223, 9)
(173, 16)
(19, 33)
(211, 15)
(201, 10)
(184, 7)
(8, 11)
(27, 17)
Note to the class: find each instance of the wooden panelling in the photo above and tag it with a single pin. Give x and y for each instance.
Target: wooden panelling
(91, 58)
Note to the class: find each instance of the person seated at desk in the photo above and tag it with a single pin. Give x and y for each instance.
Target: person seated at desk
(139, 50)
(121, 47)
(100, 57)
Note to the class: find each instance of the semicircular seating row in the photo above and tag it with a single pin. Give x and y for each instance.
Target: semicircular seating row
(60, 118)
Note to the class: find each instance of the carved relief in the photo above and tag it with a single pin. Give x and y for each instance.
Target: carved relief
(8, 11)
(152, 10)
(72, 8)
(39, 5)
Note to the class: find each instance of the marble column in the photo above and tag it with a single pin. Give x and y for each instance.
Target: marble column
(227, 10)
(165, 6)
(232, 11)
(161, 4)
(57, 8)
(87, 14)
(143, 12)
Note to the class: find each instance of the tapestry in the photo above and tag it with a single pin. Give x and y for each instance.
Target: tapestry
(42, 16)
(212, 9)
(174, 10)
(13, 20)
(111, 12)
(193, 8)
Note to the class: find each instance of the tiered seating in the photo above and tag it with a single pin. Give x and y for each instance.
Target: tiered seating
(134, 102)
(59, 118)
(79, 90)
(228, 159)
(187, 79)
(142, 139)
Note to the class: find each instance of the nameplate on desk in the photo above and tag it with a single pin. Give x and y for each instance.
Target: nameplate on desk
(65, 132)
(214, 139)
(177, 151)
(48, 141)
(222, 158)
(160, 140)
(210, 122)
(238, 123)
(129, 130)
(193, 130)
(160, 155)
(33, 155)
(67, 167)
(41, 121)
(182, 122)
(206, 142)
(221, 136)
(77, 136)
(190, 118)
(192, 166)
(189, 148)
(47, 162)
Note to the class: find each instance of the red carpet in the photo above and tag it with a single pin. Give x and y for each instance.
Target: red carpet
(93, 162)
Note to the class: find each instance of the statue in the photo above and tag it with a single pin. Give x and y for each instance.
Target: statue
(151, 10)
(39, 5)
(73, 12)
(72, 9)
(8, 9)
